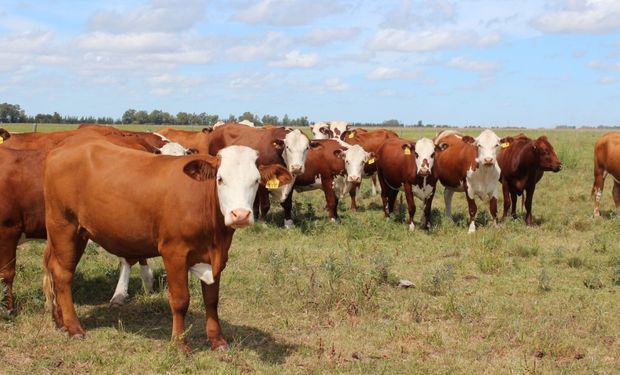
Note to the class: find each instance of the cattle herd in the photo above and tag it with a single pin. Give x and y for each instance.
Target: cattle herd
(181, 194)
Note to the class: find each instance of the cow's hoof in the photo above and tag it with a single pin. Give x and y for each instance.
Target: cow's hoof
(411, 226)
(119, 299)
(288, 224)
(220, 346)
(472, 228)
(78, 336)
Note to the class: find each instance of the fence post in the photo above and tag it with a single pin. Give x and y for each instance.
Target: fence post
(34, 127)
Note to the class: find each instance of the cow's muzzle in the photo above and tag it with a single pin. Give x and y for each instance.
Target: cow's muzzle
(354, 178)
(240, 218)
(488, 161)
(296, 169)
(557, 168)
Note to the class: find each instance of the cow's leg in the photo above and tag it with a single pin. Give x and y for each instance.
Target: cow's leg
(507, 201)
(330, 197)
(513, 201)
(264, 203)
(493, 209)
(471, 204)
(597, 188)
(210, 295)
(62, 254)
(352, 193)
(373, 185)
(384, 195)
(8, 251)
(447, 197)
(120, 294)
(287, 206)
(616, 194)
(410, 204)
(146, 274)
(529, 197)
(178, 296)
(426, 218)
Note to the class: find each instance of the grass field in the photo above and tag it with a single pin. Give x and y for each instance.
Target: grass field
(323, 297)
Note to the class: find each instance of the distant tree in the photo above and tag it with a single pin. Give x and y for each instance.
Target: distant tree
(129, 116)
(12, 113)
(231, 118)
(391, 123)
(184, 118)
(270, 120)
(286, 121)
(140, 117)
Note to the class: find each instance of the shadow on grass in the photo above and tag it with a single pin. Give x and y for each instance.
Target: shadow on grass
(95, 290)
(151, 318)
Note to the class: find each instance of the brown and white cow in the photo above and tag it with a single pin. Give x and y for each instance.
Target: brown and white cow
(606, 162)
(522, 162)
(320, 130)
(370, 141)
(409, 166)
(330, 166)
(184, 209)
(21, 187)
(469, 165)
(189, 139)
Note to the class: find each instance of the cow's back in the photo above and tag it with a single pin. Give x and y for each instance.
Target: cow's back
(369, 140)
(241, 135)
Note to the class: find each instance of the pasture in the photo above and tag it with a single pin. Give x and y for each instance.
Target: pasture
(324, 297)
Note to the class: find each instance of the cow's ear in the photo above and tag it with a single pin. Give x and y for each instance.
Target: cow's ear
(4, 134)
(324, 130)
(202, 169)
(441, 147)
(468, 139)
(278, 144)
(191, 151)
(339, 153)
(506, 140)
(275, 171)
(314, 144)
(208, 129)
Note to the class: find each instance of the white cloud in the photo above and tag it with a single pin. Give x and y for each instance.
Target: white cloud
(336, 84)
(581, 16)
(463, 63)
(420, 13)
(430, 40)
(607, 80)
(255, 80)
(286, 12)
(489, 40)
(384, 73)
(131, 42)
(323, 36)
(296, 59)
(258, 47)
(156, 16)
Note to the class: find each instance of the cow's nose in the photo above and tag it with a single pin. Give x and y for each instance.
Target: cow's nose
(557, 168)
(488, 161)
(240, 217)
(296, 169)
(354, 178)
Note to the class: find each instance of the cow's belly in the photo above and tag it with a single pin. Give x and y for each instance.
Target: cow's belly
(282, 192)
(317, 184)
(424, 192)
(483, 182)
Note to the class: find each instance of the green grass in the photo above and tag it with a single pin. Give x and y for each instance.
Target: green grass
(324, 297)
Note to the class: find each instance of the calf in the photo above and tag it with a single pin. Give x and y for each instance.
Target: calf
(184, 209)
(522, 162)
(410, 165)
(370, 141)
(331, 167)
(606, 161)
(469, 165)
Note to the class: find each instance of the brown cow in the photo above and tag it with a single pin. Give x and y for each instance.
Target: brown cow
(469, 165)
(22, 215)
(332, 167)
(522, 162)
(410, 164)
(370, 141)
(189, 139)
(606, 161)
(184, 209)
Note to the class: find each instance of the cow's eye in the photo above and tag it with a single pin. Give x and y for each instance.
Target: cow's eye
(416, 155)
(257, 181)
(220, 180)
(433, 155)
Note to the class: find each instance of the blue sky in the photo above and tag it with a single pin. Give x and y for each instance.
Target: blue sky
(472, 62)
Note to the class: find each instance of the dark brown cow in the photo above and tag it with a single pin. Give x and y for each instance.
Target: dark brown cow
(606, 161)
(522, 162)
(469, 165)
(22, 214)
(370, 141)
(410, 165)
(184, 209)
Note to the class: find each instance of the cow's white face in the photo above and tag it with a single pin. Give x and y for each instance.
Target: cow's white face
(296, 146)
(174, 149)
(237, 180)
(320, 130)
(424, 156)
(487, 143)
(355, 159)
(338, 127)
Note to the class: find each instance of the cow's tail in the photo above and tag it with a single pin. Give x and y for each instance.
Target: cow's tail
(48, 281)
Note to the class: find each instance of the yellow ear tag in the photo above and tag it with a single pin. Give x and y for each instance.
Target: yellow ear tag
(274, 183)
(505, 144)
(352, 134)
(407, 151)
(371, 161)
(1, 140)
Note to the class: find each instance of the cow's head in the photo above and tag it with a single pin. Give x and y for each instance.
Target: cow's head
(4, 135)
(487, 143)
(425, 155)
(338, 128)
(355, 158)
(175, 149)
(320, 130)
(547, 159)
(296, 146)
(237, 179)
